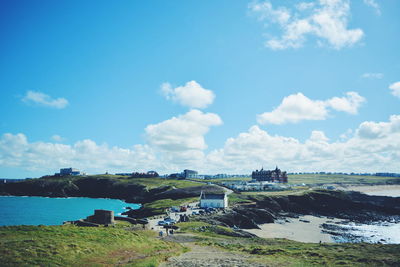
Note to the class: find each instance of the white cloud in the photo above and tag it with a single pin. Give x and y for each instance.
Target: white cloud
(374, 5)
(350, 103)
(17, 151)
(327, 20)
(395, 87)
(38, 98)
(376, 130)
(373, 147)
(181, 139)
(173, 144)
(372, 75)
(297, 107)
(362, 152)
(192, 94)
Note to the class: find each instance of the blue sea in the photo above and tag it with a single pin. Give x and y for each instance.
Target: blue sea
(54, 211)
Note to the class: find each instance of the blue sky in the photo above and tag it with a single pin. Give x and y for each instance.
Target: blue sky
(217, 86)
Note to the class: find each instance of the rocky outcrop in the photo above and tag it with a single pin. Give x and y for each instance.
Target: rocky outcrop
(352, 206)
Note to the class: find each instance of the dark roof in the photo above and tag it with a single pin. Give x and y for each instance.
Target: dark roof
(212, 196)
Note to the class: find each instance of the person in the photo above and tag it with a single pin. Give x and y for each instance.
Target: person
(160, 233)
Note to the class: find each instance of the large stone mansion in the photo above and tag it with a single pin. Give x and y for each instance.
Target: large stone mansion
(270, 175)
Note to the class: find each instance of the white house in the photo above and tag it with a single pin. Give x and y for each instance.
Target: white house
(213, 200)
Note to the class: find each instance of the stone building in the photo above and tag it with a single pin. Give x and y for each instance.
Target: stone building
(105, 217)
(270, 175)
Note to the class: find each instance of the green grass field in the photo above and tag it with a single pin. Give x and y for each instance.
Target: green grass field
(343, 179)
(314, 179)
(148, 182)
(82, 246)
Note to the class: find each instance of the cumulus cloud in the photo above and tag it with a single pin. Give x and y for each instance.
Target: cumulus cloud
(38, 98)
(350, 103)
(372, 75)
(372, 150)
(395, 88)
(17, 151)
(377, 130)
(326, 20)
(192, 94)
(372, 147)
(374, 5)
(181, 139)
(297, 107)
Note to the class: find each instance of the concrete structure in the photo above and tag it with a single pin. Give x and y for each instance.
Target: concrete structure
(270, 176)
(190, 174)
(105, 217)
(213, 200)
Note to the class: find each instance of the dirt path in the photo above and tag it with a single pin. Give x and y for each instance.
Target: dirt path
(200, 256)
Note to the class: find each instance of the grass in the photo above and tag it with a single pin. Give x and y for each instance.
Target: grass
(148, 182)
(222, 180)
(81, 246)
(314, 179)
(159, 182)
(159, 206)
(343, 179)
(205, 229)
(283, 252)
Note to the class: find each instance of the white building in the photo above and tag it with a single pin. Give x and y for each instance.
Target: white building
(213, 200)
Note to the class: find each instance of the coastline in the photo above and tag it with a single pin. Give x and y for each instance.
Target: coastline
(309, 229)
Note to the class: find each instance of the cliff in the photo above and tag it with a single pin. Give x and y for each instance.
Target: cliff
(133, 190)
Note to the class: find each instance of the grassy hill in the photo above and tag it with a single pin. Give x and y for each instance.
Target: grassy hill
(82, 246)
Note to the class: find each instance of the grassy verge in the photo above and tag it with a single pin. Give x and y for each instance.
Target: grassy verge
(81, 246)
(283, 252)
(159, 206)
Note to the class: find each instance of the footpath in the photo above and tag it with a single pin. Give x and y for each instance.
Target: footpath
(202, 256)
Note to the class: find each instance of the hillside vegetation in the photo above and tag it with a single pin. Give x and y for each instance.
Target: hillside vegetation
(82, 246)
(100, 186)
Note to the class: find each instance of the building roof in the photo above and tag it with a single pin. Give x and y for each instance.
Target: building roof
(212, 196)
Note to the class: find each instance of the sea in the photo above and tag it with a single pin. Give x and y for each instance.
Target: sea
(23, 210)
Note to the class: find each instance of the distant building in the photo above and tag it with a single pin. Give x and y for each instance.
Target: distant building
(68, 171)
(190, 174)
(149, 174)
(270, 176)
(213, 200)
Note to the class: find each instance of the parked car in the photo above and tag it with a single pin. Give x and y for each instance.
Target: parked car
(162, 223)
(169, 220)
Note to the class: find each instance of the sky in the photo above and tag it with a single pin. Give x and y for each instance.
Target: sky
(215, 86)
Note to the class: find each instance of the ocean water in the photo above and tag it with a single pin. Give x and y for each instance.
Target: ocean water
(15, 210)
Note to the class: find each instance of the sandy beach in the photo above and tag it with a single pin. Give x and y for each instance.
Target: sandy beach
(297, 230)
